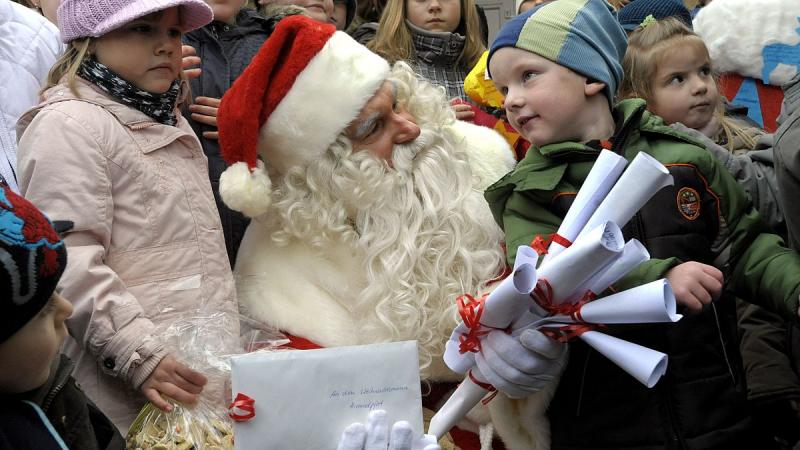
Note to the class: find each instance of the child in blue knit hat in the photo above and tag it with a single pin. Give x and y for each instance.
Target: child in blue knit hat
(559, 67)
(41, 407)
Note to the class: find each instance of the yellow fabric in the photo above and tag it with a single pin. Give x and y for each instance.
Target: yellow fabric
(479, 89)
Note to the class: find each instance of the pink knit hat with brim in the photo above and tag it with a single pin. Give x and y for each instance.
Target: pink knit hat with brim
(94, 18)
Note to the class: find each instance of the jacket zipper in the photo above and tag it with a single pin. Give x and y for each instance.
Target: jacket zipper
(638, 230)
(583, 380)
(673, 423)
(61, 381)
(722, 343)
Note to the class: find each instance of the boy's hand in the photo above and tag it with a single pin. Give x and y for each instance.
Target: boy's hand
(204, 110)
(695, 285)
(174, 380)
(190, 59)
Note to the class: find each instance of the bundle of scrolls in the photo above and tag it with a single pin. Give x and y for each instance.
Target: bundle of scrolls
(580, 261)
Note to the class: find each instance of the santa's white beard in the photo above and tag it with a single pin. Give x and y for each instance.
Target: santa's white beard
(426, 236)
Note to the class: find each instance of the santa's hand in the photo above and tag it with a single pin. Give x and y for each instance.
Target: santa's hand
(520, 366)
(377, 435)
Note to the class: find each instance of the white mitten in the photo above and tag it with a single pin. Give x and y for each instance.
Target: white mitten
(376, 435)
(520, 363)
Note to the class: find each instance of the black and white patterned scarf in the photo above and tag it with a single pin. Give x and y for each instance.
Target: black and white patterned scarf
(161, 107)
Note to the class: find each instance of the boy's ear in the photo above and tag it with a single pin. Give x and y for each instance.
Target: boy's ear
(593, 87)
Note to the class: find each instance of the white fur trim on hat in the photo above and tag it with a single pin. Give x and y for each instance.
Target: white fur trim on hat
(246, 191)
(327, 95)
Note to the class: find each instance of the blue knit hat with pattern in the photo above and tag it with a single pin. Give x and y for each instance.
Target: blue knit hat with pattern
(582, 35)
(634, 13)
(32, 259)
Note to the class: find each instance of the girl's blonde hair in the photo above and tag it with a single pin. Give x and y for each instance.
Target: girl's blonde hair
(393, 40)
(68, 64)
(647, 46)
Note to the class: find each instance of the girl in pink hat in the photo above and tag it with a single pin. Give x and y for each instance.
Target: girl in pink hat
(108, 149)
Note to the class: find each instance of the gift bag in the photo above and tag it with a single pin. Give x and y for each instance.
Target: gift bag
(204, 342)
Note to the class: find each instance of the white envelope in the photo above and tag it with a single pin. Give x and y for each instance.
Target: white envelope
(304, 399)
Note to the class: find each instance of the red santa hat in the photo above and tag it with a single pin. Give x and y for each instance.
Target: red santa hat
(307, 83)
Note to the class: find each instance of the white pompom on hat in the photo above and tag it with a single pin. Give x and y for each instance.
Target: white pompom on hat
(306, 84)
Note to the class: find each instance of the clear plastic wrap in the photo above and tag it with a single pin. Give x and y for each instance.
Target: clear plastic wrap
(204, 342)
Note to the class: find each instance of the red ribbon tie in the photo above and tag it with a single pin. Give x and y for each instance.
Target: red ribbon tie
(543, 296)
(540, 244)
(242, 409)
(471, 315)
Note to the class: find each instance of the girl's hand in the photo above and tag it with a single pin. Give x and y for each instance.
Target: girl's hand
(695, 285)
(174, 380)
(190, 59)
(463, 110)
(204, 110)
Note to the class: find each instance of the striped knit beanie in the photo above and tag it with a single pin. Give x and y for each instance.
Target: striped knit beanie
(582, 35)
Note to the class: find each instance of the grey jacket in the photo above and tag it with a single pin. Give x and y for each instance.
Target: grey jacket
(787, 159)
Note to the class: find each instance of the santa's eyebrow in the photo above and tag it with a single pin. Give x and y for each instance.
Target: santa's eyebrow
(365, 126)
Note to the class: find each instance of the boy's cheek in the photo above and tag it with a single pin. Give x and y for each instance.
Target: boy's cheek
(26, 358)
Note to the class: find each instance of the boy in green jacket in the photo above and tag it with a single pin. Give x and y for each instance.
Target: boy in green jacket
(559, 66)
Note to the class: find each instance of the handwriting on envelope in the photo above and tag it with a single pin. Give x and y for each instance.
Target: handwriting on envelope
(305, 398)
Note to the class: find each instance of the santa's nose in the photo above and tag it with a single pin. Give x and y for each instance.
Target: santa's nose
(407, 128)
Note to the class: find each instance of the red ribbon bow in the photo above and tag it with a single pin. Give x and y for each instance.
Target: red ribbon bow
(242, 403)
(540, 244)
(471, 315)
(543, 296)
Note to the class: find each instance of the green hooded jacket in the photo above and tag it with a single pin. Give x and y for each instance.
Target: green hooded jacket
(761, 267)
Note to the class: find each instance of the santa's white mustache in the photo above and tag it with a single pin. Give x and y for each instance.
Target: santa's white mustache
(403, 155)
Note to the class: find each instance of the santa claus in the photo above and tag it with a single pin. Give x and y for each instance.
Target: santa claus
(368, 214)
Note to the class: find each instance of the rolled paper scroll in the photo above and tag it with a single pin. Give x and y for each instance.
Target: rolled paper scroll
(582, 260)
(506, 303)
(653, 302)
(633, 254)
(644, 177)
(642, 363)
(465, 397)
(605, 172)
(511, 298)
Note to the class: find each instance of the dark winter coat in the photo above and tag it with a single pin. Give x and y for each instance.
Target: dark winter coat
(70, 413)
(225, 51)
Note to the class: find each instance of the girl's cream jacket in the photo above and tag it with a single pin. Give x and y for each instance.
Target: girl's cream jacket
(146, 248)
